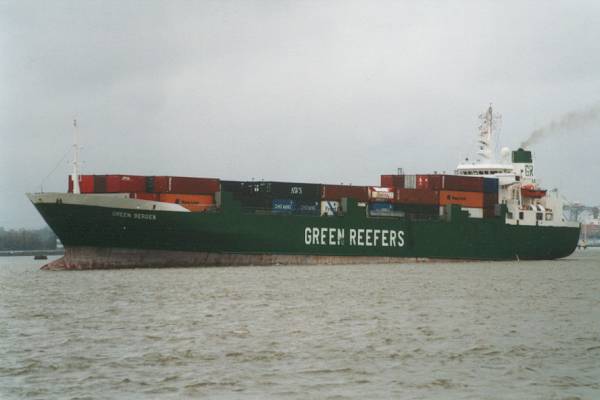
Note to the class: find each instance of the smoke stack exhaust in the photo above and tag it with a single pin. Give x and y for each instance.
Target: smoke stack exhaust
(570, 121)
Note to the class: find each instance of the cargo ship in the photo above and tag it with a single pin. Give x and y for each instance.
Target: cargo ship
(485, 210)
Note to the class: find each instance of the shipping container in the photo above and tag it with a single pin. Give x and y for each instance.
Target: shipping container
(490, 185)
(491, 212)
(464, 199)
(490, 199)
(125, 183)
(193, 202)
(381, 206)
(86, 183)
(463, 183)
(160, 184)
(337, 192)
(396, 181)
(99, 183)
(307, 207)
(379, 209)
(187, 185)
(283, 206)
(232, 186)
(418, 211)
(330, 207)
(410, 181)
(430, 182)
(182, 185)
(417, 196)
(381, 193)
(299, 191)
(275, 190)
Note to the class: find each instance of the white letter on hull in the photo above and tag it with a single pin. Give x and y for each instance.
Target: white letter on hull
(352, 237)
(361, 233)
(400, 238)
(393, 238)
(332, 232)
(307, 238)
(340, 237)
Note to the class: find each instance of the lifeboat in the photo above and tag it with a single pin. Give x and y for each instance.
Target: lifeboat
(532, 192)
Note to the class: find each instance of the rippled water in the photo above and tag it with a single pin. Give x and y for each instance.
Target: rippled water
(514, 330)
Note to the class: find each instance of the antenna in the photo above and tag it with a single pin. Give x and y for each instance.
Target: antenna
(76, 189)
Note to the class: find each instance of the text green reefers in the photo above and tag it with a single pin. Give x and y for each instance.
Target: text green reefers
(356, 237)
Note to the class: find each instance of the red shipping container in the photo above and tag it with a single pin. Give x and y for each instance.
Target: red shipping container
(161, 184)
(392, 180)
(337, 192)
(430, 182)
(86, 183)
(184, 185)
(463, 183)
(125, 183)
(417, 196)
(99, 183)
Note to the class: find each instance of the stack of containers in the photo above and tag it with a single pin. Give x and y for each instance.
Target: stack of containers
(381, 200)
(477, 195)
(195, 194)
(332, 195)
(109, 183)
(426, 195)
(277, 197)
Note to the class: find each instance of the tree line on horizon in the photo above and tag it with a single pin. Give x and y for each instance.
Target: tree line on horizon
(27, 239)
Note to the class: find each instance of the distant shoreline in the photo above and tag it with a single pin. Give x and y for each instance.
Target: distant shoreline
(10, 253)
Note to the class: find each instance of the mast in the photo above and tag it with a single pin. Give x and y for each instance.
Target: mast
(488, 141)
(76, 188)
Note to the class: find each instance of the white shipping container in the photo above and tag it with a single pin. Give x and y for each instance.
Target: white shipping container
(382, 193)
(410, 181)
(330, 208)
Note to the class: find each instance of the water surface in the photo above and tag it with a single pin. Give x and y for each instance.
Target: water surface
(493, 330)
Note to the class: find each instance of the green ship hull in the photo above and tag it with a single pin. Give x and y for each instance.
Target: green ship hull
(104, 237)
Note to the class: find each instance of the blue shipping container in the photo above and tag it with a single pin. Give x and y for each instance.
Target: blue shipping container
(490, 185)
(381, 207)
(284, 205)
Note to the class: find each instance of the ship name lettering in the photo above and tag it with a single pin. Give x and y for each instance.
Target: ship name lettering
(362, 237)
(121, 214)
(125, 214)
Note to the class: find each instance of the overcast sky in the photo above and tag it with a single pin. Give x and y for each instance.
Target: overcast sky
(310, 91)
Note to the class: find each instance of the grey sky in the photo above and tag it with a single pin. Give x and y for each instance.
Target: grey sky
(308, 91)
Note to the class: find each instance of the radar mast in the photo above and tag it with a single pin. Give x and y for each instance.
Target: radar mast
(488, 135)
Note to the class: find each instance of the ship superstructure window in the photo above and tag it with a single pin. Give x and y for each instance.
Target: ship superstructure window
(539, 216)
(549, 217)
(521, 215)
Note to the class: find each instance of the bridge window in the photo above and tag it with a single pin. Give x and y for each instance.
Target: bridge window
(539, 216)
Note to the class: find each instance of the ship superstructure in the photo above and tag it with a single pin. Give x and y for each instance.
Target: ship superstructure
(527, 203)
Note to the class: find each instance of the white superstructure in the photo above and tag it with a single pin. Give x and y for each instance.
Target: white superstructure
(526, 202)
